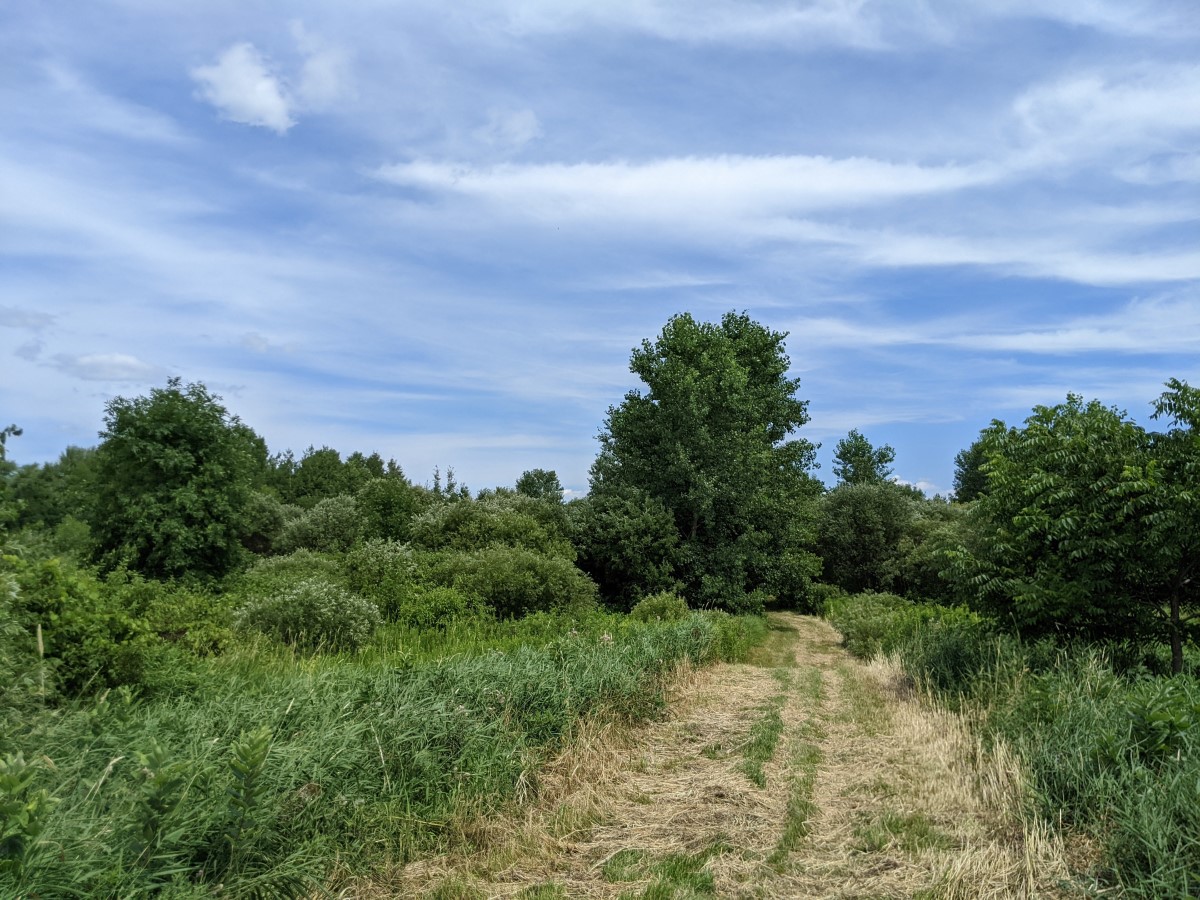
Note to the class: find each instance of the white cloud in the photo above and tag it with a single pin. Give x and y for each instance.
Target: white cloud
(510, 130)
(1147, 108)
(688, 190)
(1164, 169)
(107, 367)
(244, 89)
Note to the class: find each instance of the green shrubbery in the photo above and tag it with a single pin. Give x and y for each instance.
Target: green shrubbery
(313, 614)
(333, 525)
(664, 606)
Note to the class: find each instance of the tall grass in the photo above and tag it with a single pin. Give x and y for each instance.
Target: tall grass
(1112, 751)
(261, 771)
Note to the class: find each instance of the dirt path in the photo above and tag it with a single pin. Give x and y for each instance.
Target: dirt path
(809, 774)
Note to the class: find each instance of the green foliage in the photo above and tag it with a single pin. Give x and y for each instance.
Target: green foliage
(856, 461)
(970, 478)
(541, 484)
(90, 637)
(664, 606)
(18, 663)
(709, 440)
(266, 516)
(278, 773)
(313, 614)
(173, 477)
(1090, 526)
(860, 529)
(24, 810)
(388, 506)
(333, 525)
(501, 519)
(513, 581)
(627, 542)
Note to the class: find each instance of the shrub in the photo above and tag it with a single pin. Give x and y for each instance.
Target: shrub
(385, 571)
(510, 520)
(513, 581)
(334, 525)
(88, 635)
(314, 614)
(434, 607)
(275, 574)
(664, 606)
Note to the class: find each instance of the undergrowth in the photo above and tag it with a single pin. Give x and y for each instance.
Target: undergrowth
(257, 773)
(1111, 749)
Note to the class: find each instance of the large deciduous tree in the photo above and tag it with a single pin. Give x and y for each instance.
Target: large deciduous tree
(1090, 525)
(174, 474)
(710, 439)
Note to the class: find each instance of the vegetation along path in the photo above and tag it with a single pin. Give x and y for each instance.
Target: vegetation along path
(806, 773)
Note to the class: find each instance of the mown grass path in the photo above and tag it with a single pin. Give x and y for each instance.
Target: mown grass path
(804, 773)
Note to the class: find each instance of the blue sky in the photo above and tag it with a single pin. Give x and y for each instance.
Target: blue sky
(436, 230)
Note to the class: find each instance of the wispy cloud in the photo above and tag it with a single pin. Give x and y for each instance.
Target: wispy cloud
(109, 367)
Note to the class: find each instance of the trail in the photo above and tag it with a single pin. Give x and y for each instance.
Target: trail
(807, 775)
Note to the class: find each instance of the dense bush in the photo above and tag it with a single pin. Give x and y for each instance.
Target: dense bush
(663, 606)
(509, 520)
(388, 506)
(333, 525)
(628, 543)
(90, 638)
(513, 581)
(313, 614)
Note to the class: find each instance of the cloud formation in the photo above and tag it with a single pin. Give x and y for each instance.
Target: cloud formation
(241, 85)
(246, 87)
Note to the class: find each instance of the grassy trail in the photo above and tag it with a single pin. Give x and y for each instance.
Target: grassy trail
(803, 774)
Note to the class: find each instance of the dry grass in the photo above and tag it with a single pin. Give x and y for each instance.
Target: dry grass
(899, 799)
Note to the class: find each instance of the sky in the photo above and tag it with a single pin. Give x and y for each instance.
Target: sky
(436, 230)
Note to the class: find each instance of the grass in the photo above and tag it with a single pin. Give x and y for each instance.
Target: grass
(676, 876)
(1110, 752)
(764, 734)
(910, 832)
(262, 770)
(805, 759)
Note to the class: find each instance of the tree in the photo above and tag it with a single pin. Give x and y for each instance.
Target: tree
(174, 472)
(1090, 525)
(542, 484)
(970, 480)
(857, 462)
(9, 508)
(861, 527)
(709, 439)
(627, 542)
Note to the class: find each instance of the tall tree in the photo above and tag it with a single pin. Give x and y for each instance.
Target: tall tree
(856, 461)
(710, 439)
(174, 473)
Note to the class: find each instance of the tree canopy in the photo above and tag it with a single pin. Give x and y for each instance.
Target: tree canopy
(710, 439)
(1090, 525)
(856, 461)
(174, 473)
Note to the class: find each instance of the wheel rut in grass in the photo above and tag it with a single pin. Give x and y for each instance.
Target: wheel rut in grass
(805, 773)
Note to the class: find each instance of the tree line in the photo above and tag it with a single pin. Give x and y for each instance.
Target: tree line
(1078, 522)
